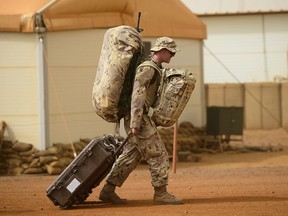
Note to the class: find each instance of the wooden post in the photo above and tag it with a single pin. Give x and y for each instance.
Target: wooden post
(175, 147)
(2, 131)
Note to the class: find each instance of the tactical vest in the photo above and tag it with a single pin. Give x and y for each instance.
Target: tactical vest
(121, 51)
(154, 84)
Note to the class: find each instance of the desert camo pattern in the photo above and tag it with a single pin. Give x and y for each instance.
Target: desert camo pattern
(147, 144)
(151, 149)
(146, 84)
(120, 44)
(175, 92)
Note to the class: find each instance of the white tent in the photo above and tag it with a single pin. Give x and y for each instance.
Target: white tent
(49, 55)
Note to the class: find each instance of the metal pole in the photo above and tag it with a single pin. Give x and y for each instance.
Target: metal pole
(42, 95)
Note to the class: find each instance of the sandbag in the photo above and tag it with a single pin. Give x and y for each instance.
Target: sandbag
(174, 93)
(21, 147)
(121, 50)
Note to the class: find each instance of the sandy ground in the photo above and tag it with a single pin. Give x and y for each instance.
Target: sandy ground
(227, 183)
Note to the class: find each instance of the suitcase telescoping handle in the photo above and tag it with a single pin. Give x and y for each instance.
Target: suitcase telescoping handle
(122, 144)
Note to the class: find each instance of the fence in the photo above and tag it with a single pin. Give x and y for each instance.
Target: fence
(265, 104)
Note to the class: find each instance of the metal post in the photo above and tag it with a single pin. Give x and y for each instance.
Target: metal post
(43, 128)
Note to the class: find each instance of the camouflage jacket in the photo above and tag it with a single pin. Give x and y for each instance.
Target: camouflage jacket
(146, 83)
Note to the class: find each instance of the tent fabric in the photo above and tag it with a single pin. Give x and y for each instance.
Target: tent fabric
(171, 18)
(75, 14)
(159, 17)
(16, 15)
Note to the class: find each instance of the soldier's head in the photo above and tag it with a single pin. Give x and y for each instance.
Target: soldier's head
(165, 48)
(165, 43)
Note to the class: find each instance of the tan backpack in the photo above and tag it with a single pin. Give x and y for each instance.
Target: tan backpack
(174, 93)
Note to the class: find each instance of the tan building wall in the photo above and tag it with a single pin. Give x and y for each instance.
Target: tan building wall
(284, 104)
(19, 87)
(264, 103)
(262, 106)
(224, 95)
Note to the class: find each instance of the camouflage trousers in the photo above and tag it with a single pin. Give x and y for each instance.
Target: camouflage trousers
(152, 150)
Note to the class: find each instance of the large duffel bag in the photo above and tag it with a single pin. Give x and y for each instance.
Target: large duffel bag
(174, 93)
(85, 172)
(121, 51)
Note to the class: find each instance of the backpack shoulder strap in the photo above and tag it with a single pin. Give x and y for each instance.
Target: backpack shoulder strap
(150, 64)
(160, 71)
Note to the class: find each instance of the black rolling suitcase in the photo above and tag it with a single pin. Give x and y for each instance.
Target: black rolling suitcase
(85, 172)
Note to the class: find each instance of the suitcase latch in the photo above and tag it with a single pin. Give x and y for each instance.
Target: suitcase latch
(109, 147)
(88, 153)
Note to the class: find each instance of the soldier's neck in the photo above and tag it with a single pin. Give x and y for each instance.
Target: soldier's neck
(156, 60)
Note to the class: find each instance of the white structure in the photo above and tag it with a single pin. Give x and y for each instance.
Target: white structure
(247, 40)
(201, 7)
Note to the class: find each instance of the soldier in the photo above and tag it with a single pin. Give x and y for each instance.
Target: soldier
(145, 142)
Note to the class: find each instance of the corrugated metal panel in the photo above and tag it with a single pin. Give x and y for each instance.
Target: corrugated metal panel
(215, 95)
(264, 103)
(18, 86)
(234, 95)
(225, 95)
(276, 38)
(284, 104)
(270, 105)
(245, 48)
(213, 7)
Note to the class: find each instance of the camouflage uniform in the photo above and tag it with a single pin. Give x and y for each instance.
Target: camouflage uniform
(148, 144)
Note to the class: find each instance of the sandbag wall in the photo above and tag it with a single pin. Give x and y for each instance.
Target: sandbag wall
(22, 158)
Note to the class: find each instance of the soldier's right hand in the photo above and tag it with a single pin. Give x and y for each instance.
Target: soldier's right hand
(133, 131)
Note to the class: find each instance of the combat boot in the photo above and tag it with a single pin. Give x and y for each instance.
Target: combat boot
(162, 197)
(108, 195)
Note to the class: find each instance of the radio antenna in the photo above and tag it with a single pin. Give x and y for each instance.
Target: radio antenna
(138, 23)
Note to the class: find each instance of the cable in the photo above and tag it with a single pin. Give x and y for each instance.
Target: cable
(247, 90)
(51, 78)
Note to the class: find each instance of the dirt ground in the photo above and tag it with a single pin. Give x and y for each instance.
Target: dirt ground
(228, 183)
